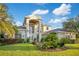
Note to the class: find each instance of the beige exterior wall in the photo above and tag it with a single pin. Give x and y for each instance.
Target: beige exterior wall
(46, 28)
(43, 28)
(70, 35)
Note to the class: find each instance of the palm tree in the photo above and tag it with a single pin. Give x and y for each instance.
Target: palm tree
(5, 25)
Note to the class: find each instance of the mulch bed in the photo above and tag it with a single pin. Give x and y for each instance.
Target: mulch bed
(55, 49)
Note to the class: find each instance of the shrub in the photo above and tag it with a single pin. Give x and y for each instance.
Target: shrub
(66, 41)
(73, 41)
(1, 44)
(8, 41)
(27, 40)
(45, 45)
(50, 41)
(20, 41)
(1, 35)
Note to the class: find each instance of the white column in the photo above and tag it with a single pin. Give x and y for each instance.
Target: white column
(31, 32)
(28, 30)
(39, 30)
(35, 31)
(27, 27)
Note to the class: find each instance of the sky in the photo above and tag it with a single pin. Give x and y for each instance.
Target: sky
(53, 14)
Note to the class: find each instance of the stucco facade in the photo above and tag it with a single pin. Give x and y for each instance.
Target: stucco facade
(33, 28)
(46, 28)
(63, 33)
(69, 35)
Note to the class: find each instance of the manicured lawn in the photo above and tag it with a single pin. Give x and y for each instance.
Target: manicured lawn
(31, 50)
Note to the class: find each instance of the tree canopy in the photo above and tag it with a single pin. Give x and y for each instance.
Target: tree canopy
(5, 25)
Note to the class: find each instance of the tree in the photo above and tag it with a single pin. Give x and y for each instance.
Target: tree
(5, 25)
(72, 25)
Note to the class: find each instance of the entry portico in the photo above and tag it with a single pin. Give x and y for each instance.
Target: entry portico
(33, 27)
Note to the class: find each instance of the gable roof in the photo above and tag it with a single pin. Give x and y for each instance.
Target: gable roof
(21, 27)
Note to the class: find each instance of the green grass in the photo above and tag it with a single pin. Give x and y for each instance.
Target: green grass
(32, 50)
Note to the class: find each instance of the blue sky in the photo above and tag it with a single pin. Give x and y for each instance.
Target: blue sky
(53, 14)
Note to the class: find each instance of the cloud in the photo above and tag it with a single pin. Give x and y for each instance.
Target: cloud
(54, 21)
(57, 20)
(18, 23)
(63, 10)
(40, 12)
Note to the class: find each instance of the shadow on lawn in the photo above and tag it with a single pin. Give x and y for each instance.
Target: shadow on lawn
(25, 48)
